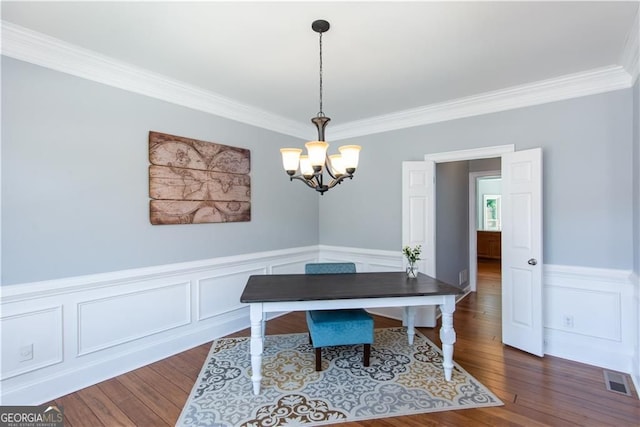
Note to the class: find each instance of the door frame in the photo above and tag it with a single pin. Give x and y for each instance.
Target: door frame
(454, 156)
(473, 215)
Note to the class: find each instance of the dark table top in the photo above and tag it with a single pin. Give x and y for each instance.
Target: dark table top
(313, 287)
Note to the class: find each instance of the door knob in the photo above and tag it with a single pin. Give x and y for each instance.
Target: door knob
(532, 261)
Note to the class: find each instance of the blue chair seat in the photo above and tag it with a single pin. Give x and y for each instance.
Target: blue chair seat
(338, 327)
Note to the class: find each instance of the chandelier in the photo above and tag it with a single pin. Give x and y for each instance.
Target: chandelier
(313, 165)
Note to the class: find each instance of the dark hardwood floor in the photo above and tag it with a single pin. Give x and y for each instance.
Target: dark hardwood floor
(535, 391)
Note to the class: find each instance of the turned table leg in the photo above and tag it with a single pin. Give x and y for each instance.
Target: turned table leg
(448, 334)
(257, 345)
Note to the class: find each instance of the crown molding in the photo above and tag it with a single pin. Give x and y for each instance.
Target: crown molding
(36, 48)
(630, 58)
(557, 89)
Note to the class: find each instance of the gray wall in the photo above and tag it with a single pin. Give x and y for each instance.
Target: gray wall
(587, 154)
(452, 220)
(482, 165)
(75, 196)
(75, 181)
(636, 214)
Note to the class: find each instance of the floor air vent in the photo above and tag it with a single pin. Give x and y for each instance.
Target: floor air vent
(616, 382)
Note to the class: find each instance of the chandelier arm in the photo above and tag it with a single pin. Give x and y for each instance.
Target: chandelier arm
(334, 182)
(309, 182)
(328, 167)
(339, 180)
(319, 178)
(321, 187)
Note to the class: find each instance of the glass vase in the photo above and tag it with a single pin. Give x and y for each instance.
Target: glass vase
(412, 271)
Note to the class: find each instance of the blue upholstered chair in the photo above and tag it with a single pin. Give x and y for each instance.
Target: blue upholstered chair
(338, 327)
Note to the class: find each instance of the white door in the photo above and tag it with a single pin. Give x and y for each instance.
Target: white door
(522, 250)
(417, 189)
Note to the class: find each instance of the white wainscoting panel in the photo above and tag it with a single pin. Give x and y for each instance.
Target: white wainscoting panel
(221, 294)
(31, 340)
(590, 316)
(87, 329)
(597, 315)
(108, 322)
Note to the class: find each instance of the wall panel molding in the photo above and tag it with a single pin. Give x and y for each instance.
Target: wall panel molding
(43, 339)
(590, 315)
(220, 294)
(601, 302)
(114, 320)
(119, 321)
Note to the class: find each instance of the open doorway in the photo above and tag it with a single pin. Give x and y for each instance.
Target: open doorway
(485, 224)
(485, 221)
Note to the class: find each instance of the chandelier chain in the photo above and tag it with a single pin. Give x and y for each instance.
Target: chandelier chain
(320, 113)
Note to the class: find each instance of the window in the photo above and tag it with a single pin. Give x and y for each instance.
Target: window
(491, 205)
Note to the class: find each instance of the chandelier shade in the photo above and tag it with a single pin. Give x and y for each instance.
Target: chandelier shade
(290, 159)
(337, 165)
(317, 153)
(310, 168)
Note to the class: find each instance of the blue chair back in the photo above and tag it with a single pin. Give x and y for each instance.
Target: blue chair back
(330, 268)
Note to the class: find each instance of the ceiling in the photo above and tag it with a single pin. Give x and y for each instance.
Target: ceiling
(379, 57)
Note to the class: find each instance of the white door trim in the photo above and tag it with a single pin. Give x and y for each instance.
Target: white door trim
(454, 156)
(473, 214)
(471, 154)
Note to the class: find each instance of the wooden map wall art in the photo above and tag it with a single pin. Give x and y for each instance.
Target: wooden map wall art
(193, 182)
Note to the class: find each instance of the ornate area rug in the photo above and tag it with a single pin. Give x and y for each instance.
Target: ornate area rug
(401, 380)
